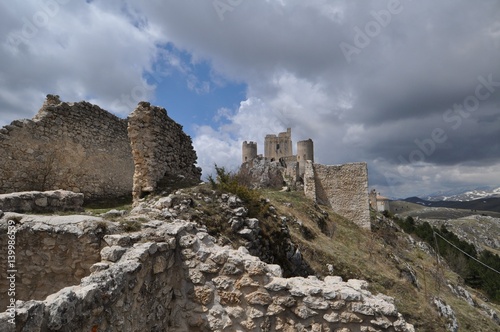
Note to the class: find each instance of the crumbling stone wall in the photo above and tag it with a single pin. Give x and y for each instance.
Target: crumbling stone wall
(343, 187)
(85, 149)
(161, 150)
(72, 146)
(41, 201)
(173, 277)
(51, 252)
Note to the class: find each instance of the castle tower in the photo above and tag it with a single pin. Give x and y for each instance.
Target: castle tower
(305, 152)
(276, 147)
(249, 151)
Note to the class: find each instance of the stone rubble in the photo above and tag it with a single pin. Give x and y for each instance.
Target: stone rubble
(172, 276)
(41, 202)
(447, 312)
(179, 205)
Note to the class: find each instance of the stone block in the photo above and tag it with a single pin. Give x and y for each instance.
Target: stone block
(113, 253)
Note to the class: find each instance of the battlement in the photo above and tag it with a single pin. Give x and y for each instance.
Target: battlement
(279, 148)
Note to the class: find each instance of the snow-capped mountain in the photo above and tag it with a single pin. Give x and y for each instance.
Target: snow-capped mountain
(464, 195)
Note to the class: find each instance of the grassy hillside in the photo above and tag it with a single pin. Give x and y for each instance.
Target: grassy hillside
(388, 258)
(392, 262)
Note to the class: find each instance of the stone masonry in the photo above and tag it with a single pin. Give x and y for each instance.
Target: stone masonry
(41, 202)
(343, 187)
(51, 252)
(160, 148)
(71, 146)
(172, 276)
(85, 149)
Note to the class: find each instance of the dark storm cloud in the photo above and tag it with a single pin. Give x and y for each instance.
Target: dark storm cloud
(367, 80)
(384, 102)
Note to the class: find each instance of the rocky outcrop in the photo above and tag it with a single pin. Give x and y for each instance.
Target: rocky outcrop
(233, 224)
(447, 312)
(260, 172)
(172, 276)
(479, 230)
(40, 202)
(162, 151)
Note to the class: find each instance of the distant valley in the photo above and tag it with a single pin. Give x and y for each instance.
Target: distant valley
(477, 205)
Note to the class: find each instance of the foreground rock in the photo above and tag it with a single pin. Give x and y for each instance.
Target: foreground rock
(48, 253)
(171, 276)
(41, 201)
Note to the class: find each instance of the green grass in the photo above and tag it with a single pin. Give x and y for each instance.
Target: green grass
(361, 254)
(105, 205)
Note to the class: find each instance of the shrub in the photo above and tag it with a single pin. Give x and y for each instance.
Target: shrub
(130, 225)
(226, 181)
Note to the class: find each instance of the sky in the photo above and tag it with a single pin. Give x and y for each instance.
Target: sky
(410, 87)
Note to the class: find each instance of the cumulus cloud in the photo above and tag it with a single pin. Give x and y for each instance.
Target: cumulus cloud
(75, 49)
(390, 99)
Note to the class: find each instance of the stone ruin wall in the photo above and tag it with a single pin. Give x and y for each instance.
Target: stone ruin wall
(41, 201)
(71, 146)
(162, 152)
(343, 187)
(52, 252)
(83, 148)
(173, 277)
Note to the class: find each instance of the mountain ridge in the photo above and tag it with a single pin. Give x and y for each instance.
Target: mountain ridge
(464, 194)
(483, 204)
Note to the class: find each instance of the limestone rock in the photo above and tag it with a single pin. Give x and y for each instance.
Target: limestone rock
(112, 254)
(41, 201)
(173, 275)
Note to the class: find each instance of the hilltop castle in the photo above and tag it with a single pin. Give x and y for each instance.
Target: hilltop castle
(279, 148)
(343, 187)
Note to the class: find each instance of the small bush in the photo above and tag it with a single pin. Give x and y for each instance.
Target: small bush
(307, 233)
(226, 181)
(130, 225)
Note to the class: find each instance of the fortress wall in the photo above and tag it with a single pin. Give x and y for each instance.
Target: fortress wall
(162, 152)
(175, 278)
(343, 187)
(85, 149)
(71, 146)
(51, 252)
